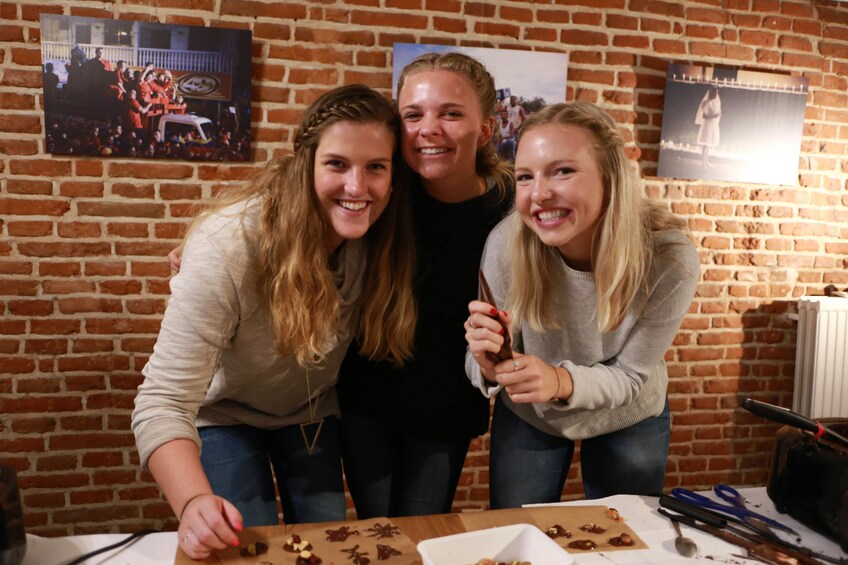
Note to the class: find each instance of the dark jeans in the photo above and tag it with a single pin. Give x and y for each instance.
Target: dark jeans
(238, 460)
(390, 475)
(530, 466)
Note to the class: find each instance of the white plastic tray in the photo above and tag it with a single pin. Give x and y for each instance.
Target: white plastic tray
(521, 542)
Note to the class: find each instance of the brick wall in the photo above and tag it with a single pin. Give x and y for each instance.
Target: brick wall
(82, 253)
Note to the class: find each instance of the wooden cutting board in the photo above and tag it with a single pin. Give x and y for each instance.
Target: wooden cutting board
(368, 538)
(415, 529)
(571, 518)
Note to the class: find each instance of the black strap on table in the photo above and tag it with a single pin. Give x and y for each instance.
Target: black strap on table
(124, 541)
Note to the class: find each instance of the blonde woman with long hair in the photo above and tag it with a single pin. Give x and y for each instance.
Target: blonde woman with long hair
(594, 282)
(272, 288)
(406, 430)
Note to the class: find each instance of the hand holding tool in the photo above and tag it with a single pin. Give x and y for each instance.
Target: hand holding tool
(506, 349)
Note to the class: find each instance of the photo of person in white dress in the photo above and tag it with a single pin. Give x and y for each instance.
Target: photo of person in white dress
(732, 125)
(707, 118)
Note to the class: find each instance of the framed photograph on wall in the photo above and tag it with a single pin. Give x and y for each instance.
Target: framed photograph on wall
(119, 88)
(525, 81)
(732, 125)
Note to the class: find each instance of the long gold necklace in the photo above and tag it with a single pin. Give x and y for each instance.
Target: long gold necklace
(310, 446)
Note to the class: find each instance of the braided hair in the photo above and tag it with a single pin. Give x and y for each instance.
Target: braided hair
(293, 271)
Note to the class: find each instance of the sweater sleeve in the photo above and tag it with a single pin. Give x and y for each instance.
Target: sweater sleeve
(618, 380)
(199, 322)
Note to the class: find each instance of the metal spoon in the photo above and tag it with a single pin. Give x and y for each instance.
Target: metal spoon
(685, 546)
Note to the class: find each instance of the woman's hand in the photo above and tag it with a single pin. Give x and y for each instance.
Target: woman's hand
(208, 522)
(174, 258)
(526, 378)
(485, 334)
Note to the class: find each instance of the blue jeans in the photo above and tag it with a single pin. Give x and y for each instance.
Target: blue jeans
(506, 149)
(530, 466)
(238, 461)
(391, 475)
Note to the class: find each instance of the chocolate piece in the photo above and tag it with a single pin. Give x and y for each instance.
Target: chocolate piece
(386, 551)
(253, 549)
(613, 513)
(592, 528)
(357, 557)
(295, 545)
(585, 544)
(341, 534)
(380, 531)
(624, 540)
(307, 558)
(557, 531)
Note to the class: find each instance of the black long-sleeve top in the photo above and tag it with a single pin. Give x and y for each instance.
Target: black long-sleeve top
(430, 397)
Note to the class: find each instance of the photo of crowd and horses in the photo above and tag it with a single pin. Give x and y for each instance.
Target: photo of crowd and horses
(525, 82)
(115, 88)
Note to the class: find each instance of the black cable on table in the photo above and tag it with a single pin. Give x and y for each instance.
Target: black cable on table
(124, 541)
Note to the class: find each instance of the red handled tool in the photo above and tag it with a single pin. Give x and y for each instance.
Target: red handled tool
(506, 349)
(790, 418)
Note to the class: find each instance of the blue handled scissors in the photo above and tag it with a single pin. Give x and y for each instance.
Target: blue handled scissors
(736, 507)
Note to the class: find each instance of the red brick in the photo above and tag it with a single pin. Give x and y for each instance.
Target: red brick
(277, 10)
(30, 229)
(81, 189)
(78, 229)
(76, 249)
(18, 146)
(30, 307)
(31, 207)
(450, 25)
(39, 167)
(88, 168)
(149, 171)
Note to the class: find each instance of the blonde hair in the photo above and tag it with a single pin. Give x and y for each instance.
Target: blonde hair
(488, 164)
(293, 270)
(623, 248)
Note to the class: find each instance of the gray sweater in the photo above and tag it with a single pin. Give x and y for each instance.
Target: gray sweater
(619, 377)
(214, 362)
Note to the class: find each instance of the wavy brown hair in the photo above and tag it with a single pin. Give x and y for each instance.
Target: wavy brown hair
(488, 164)
(623, 248)
(293, 269)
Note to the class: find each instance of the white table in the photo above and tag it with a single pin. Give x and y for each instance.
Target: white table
(640, 512)
(656, 531)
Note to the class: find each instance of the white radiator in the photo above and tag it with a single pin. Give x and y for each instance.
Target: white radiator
(821, 358)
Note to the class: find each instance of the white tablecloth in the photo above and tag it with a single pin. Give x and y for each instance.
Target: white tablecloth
(657, 532)
(640, 512)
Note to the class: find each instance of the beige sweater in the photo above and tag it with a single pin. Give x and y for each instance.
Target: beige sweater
(214, 362)
(619, 377)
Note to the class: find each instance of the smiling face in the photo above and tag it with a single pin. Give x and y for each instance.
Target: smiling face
(560, 189)
(443, 127)
(353, 176)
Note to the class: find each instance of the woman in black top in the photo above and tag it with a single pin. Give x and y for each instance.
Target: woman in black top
(406, 429)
